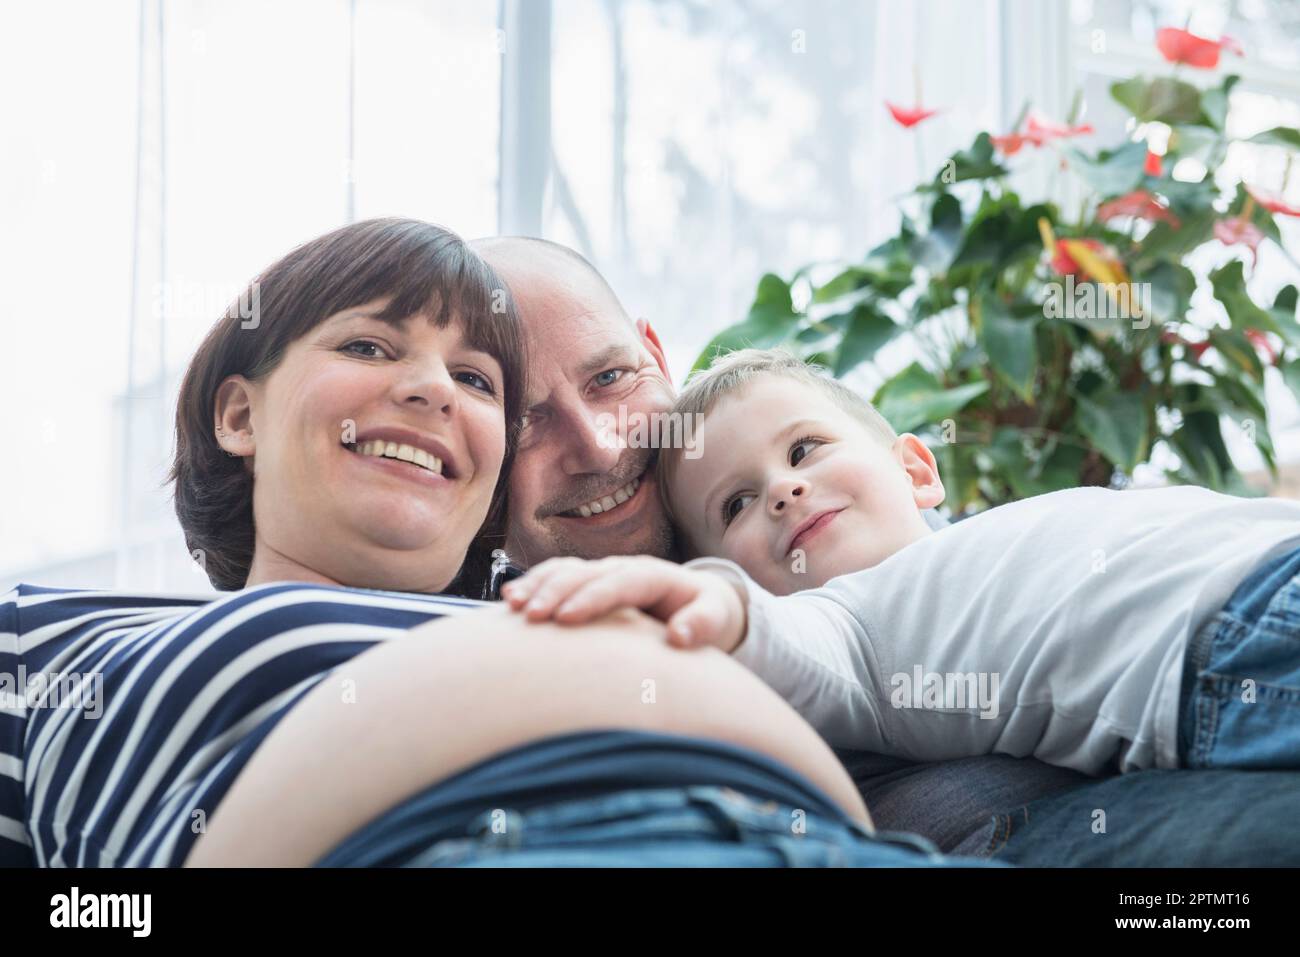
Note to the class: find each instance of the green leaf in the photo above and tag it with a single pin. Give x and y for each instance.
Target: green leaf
(936, 248)
(850, 280)
(1229, 283)
(1199, 443)
(886, 270)
(1291, 375)
(915, 397)
(1061, 469)
(1238, 397)
(1243, 402)
(1196, 142)
(1172, 287)
(935, 297)
(1163, 98)
(1187, 197)
(1116, 423)
(771, 320)
(1237, 349)
(1278, 136)
(1000, 234)
(1058, 465)
(1261, 217)
(1112, 172)
(868, 330)
(1215, 102)
(1009, 343)
(1169, 244)
(823, 333)
(1283, 313)
(977, 162)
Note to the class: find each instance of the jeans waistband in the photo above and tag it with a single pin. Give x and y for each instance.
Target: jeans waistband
(573, 767)
(1252, 596)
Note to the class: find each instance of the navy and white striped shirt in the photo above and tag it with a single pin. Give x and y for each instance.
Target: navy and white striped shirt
(124, 718)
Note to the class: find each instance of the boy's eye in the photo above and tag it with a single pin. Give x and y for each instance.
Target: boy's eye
(732, 506)
(800, 450)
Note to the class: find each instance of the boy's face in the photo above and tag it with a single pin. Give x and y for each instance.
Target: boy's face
(796, 491)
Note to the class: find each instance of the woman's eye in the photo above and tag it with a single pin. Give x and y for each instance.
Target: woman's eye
(476, 381)
(356, 348)
(609, 376)
(732, 506)
(800, 450)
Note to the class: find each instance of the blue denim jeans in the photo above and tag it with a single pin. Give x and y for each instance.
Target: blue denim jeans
(697, 826)
(1236, 801)
(621, 798)
(1240, 700)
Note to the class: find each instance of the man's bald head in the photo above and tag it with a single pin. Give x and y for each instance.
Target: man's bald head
(527, 263)
(579, 485)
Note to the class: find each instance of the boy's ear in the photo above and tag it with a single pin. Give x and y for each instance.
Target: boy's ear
(919, 464)
(650, 339)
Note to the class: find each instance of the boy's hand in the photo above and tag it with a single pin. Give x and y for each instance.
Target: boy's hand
(699, 608)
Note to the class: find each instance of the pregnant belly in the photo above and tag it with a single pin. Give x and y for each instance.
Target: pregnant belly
(462, 689)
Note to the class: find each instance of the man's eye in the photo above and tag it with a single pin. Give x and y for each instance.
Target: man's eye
(476, 381)
(360, 347)
(800, 449)
(609, 376)
(732, 506)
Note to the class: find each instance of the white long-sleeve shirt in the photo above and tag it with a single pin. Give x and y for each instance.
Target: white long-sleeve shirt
(1053, 627)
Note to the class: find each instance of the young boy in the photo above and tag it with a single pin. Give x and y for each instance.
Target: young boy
(1090, 628)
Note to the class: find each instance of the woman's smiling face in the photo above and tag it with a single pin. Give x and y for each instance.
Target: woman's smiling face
(329, 502)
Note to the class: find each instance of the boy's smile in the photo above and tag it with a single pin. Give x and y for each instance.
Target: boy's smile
(797, 491)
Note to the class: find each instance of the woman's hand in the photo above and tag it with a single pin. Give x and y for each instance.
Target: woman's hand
(699, 608)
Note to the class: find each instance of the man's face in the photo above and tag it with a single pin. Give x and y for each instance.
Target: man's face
(580, 484)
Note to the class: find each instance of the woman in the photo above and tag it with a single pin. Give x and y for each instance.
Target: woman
(336, 456)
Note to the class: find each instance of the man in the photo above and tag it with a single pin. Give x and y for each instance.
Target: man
(569, 495)
(578, 486)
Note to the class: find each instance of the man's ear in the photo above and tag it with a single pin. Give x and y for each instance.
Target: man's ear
(651, 341)
(234, 416)
(919, 464)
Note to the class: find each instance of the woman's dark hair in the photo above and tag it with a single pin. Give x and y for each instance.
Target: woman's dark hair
(419, 268)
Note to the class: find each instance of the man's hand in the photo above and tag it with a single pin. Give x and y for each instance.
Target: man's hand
(699, 608)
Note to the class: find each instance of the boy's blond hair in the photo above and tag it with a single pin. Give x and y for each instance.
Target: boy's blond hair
(730, 372)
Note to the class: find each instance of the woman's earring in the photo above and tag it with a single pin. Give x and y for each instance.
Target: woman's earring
(233, 455)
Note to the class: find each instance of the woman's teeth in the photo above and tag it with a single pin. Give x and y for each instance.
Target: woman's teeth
(395, 450)
(609, 502)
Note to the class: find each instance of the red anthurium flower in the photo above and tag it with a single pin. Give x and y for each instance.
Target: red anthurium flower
(1179, 46)
(1010, 144)
(1274, 203)
(909, 118)
(1155, 164)
(1261, 343)
(1194, 349)
(1140, 205)
(1230, 232)
(1064, 262)
(1039, 130)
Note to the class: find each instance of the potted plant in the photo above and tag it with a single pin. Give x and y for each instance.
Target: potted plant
(1054, 351)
